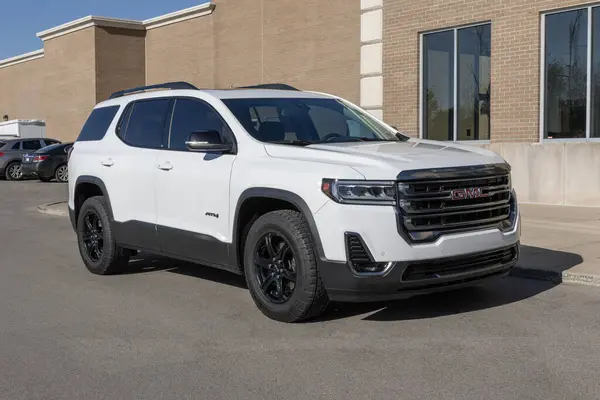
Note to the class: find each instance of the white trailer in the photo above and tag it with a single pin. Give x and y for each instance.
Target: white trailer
(22, 128)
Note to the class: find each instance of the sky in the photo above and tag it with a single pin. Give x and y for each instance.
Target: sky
(20, 20)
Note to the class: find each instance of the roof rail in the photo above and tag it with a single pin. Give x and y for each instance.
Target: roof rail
(275, 86)
(167, 85)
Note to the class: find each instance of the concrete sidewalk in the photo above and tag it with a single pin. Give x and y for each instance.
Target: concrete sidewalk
(560, 244)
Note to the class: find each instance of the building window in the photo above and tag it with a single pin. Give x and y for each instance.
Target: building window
(456, 73)
(571, 74)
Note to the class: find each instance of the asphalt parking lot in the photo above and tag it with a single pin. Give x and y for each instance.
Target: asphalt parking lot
(173, 331)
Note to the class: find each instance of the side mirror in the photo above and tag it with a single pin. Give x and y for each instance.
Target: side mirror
(207, 141)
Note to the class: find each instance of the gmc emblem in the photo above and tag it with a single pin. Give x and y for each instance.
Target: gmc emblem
(468, 193)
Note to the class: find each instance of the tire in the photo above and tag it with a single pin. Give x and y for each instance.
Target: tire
(14, 171)
(308, 297)
(44, 179)
(111, 259)
(62, 173)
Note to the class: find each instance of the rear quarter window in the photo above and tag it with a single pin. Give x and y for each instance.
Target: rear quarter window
(97, 124)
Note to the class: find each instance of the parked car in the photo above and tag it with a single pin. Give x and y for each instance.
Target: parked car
(319, 202)
(48, 163)
(11, 154)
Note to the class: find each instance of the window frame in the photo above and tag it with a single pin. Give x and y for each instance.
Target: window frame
(589, 65)
(455, 30)
(167, 136)
(126, 112)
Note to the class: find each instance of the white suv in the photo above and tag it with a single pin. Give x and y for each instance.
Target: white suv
(306, 194)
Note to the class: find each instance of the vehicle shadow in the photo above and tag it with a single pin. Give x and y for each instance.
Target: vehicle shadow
(494, 293)
(151, 263)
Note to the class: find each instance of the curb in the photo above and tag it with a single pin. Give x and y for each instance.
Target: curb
(53, 209)
(578, 278)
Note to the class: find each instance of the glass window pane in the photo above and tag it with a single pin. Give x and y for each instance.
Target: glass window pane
(566, 74)
(194, 116)
(474, 62)
(438, 83)
(595, 133)
(97, 123)
(147, 123)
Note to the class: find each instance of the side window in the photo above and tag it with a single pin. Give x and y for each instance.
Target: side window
(16, 146)
(32, 145)
(97, 123)
(145, 124)
(193, 116)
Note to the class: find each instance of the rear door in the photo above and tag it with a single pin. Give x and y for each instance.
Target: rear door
(131, 169)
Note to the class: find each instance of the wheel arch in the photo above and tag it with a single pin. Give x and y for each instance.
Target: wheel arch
(87, 186)
(270, 200)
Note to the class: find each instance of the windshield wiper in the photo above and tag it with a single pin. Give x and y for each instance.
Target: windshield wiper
(293, 142)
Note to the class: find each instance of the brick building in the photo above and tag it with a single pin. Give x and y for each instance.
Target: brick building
(521, 77)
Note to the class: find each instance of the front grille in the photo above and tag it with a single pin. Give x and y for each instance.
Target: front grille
(431, 207)
(459, 265)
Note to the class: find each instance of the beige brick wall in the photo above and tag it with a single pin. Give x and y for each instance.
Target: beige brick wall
(313, 44)
(21, 90)
(181, 52)
(69, 91)
(238, 42)
(515, 78)
(120, 60)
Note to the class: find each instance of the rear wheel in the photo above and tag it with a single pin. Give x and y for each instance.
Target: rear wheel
(62, 173)
(99, 251)
(281, 268)
(14, 172)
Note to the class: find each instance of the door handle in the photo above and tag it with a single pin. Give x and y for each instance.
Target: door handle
(108, 162)
(167, 166)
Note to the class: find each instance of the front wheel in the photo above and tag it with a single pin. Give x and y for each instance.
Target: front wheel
(281, 268)
(99, 251)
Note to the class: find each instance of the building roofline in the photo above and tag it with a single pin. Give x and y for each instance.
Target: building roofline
(181, 15)
(87, 22)
(34, 55)
(104, 22)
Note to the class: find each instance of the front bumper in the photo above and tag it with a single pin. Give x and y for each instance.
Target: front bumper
(344, 285)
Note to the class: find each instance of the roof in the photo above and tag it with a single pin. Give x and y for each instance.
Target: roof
(219, 94)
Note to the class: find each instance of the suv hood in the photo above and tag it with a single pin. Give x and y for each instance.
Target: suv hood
(385, 160)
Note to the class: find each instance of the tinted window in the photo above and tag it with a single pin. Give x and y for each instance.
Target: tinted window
(50, 142)
(566, 75)
(193, 116)
(16, 146)
(146, 123)
(32, 145)
(97, 123)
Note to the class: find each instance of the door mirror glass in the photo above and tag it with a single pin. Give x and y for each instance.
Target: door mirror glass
(207, 141)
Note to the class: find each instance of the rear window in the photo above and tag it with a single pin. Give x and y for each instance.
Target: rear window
(97, 123)
(50, 148)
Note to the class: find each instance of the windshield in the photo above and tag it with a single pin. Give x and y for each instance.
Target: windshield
(304, 121)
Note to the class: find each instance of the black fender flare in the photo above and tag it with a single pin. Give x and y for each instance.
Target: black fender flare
(98, 182)
(278, 194)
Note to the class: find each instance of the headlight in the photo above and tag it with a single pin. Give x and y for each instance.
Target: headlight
(360, 192)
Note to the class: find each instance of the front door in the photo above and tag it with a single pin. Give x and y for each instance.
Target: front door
(192, 195)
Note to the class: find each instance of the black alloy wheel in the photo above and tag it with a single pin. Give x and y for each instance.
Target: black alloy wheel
(275, 265)
(93, 236)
